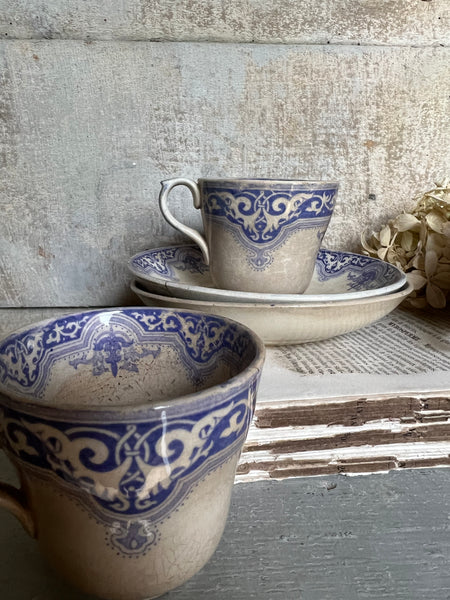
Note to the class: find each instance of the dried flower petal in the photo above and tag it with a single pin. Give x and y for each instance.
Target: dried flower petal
(405, 222)
(418, 242)
(417, 279)
(446, 230)
(436, 220)
(435, 242)
(407, 241)
(365, 244)
(382, 252)
(442, 280)
(435, 296)
(385, 235)
(431, 261)
(418, 262)
(423, 233)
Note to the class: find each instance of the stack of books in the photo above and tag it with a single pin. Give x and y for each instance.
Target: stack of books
(372, 400)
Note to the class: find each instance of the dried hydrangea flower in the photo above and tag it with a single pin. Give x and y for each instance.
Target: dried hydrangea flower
(418, 243)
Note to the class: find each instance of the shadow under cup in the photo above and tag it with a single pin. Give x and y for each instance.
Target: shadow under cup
(125, 427)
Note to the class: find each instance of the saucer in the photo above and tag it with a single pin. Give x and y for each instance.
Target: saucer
(181, 272)
(279, 324)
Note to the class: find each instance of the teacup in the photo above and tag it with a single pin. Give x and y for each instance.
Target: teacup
(125, 426)
(260, 235)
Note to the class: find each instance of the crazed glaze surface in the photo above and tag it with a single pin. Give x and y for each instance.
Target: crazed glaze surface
(290, 323)
(258, 230)
(126, 481)
(338, 275)
(263, 215)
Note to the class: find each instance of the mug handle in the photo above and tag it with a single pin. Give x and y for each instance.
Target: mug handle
(14, 500)
(166, 187)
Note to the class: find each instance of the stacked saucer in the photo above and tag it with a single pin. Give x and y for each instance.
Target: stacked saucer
(347, 291)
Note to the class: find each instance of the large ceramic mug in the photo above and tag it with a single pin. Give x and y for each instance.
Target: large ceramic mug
(260, 235)
(125, 427)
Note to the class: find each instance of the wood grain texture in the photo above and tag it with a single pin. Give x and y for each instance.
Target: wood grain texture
(89, 130)
(376, 537)
(373, 537)
(393, 22)
(270, 464)
(13, 319)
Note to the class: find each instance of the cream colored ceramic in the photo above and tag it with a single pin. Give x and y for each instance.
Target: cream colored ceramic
(180, 271)
(280, 324)
(125, 426)
(260, 235)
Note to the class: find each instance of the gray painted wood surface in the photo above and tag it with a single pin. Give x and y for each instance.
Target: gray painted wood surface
(321, 538)
(393, 22)
(89, 129)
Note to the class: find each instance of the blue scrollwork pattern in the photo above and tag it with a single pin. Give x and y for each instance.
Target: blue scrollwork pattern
(362, 272)
(131, 476)
(113, 351)
(165, 262)
(26, 359)
(262, 220)
(358, 271)
(128, 473)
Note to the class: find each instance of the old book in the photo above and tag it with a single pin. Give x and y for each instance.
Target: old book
(374, 399)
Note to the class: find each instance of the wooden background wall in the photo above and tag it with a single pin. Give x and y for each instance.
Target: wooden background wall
(100, 101)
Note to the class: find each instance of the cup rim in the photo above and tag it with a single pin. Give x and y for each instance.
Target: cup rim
(259, 180)
(179, 404)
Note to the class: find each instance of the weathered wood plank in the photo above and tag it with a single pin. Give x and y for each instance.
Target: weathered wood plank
(353, 411)
(376, 537)
(270, 464)
(89, 130)
(368, 550)
(286, 440)
(397, 22)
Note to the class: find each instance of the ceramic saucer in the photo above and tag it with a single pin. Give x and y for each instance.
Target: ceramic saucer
(181, 272)
(280, 324)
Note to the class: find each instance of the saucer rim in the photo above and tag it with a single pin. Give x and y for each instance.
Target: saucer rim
(282, 324)
(198, 292)
(406, 289)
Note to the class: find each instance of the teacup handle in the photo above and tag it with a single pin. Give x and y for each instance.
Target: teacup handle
(166, 187)
(14, 500)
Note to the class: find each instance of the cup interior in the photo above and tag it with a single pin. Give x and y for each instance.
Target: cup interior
(124, 357)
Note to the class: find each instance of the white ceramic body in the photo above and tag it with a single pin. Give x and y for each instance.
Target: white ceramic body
(73, 543)
(260, 235)
(125, 427)
(180, 271)
(279, 324)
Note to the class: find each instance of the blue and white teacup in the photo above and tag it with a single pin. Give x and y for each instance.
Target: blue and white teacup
(125, 427)
(260, 235)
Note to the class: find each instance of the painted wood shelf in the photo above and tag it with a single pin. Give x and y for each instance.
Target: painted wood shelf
(377, 537)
